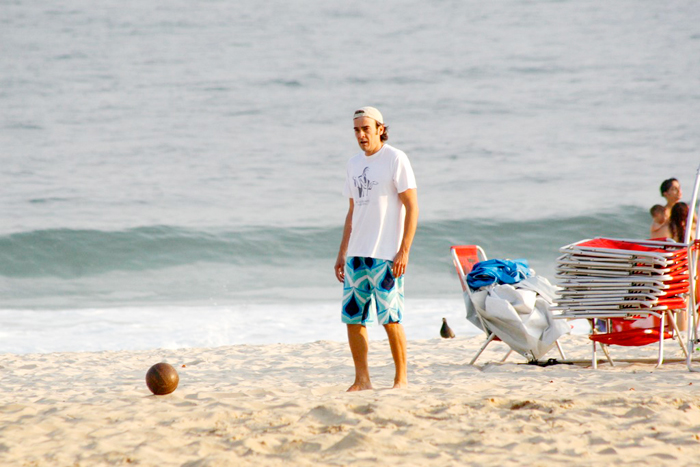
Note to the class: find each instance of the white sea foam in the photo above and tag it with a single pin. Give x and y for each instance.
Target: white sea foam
(29, 331)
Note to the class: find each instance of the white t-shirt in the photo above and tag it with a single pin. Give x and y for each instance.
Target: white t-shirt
(374, 183)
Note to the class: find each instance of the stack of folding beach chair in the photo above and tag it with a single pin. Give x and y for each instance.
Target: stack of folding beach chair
(622, 282)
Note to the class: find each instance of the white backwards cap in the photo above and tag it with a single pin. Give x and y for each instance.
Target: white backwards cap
(370, 112)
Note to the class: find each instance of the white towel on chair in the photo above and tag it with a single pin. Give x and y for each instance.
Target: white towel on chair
(520, 315)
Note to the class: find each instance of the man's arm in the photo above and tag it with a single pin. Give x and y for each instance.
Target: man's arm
(409, 198)
(340, 261)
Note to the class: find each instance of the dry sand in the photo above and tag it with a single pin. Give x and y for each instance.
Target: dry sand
(285, 404)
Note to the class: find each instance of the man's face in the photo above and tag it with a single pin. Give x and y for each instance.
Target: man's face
(368, 134)
(674, 193)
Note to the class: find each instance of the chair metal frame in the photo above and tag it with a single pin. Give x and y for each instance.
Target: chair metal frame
(693, 258)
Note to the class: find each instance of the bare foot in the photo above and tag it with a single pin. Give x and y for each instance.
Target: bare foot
(400, 384)
(360, 387)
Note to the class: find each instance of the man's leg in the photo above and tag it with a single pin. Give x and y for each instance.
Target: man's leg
(397, 342)
(388, 294)
(359, 346)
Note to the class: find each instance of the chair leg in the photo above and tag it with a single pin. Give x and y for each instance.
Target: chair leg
(607, 354)
(594, 361)
(507, 355)
(594, 358)
(677, 333)
(661, 340)
(692, 334)
(561, 351)
(491, 337)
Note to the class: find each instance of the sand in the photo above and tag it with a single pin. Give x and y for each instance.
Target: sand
(286, 404)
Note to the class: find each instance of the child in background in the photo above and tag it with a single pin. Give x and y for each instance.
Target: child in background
(659, 226)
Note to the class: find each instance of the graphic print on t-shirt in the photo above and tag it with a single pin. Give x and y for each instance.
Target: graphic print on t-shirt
(363, 185)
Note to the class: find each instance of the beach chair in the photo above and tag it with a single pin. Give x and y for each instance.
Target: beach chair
(464, 258)
(635, 286)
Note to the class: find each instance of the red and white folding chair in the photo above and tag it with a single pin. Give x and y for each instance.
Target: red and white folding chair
(464, 258)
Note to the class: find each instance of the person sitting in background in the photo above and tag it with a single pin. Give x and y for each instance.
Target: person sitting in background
(659, 225)
(678, 220)
(671, 190)
(677, 224)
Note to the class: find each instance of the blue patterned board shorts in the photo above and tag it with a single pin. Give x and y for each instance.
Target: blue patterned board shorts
(370, 289)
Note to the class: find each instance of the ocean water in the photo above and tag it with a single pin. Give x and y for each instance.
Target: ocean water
(171, 172)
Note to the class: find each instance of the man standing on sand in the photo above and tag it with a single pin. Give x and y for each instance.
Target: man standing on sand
(379, 229)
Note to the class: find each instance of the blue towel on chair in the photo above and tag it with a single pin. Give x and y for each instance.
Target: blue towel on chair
(502, 271)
